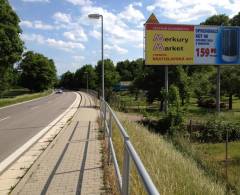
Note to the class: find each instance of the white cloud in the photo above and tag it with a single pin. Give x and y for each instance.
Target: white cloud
(185, 10)
(78, 58)
(62, 17)
(140, 45)
(58, 44)
(41, 25)
(131, 14)
(36, 25)
(26, 23)
(139, 4)
(33, 1)
(33, 38)
(115, 29)
(95, 34)
(116, 48)
(64, 45)
(76, 35)
(80, 2)
(121, 30)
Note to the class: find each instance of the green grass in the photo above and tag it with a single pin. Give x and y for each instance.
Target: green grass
(171, 171)
(214, 154)
(25, 96)
(210, 156)
(201, 114)
(125, 101)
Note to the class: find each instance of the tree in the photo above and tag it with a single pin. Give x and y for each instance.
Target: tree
(124, 70)
(201, 84)
(218, 20)
(11, 46)
(38, 72)
(230, 82)
(111, 76)
(153, 83)
(129, 71)
(67, 80)
(179, 77)
(235, 21)
(80, 77)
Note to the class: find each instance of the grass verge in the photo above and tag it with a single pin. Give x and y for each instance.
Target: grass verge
(22, 98)
(213, 155)
(171, 171)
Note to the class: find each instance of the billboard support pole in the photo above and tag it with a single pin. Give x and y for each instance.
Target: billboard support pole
(218, 101)
(166, 88)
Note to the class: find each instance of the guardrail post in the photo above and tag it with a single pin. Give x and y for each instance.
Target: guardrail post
(110, 137)
(126, 169)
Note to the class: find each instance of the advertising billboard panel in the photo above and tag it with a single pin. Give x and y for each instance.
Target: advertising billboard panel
(168, 44)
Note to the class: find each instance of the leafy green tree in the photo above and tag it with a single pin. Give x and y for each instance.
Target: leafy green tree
(201, 84)
(111, 76)
(180, 78)
(129, 71)
(80, 77)
(38, 72)
(11, 46)
(174, 98)
(235, 21)
(219, 20)
(230, 82)
(153, 84)
(67, 80)
(124, 71)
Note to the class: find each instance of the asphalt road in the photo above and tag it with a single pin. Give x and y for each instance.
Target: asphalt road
(21, 122)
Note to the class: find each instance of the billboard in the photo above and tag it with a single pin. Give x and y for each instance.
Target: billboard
(169, 44)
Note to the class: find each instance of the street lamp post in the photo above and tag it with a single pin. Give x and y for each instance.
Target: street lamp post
(97, 16)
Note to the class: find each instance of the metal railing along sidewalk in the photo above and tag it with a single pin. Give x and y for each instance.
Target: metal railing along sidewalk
(107, 117)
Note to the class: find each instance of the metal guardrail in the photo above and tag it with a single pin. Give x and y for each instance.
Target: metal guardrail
(107, 117)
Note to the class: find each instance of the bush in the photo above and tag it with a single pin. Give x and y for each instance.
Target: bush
(215, 131)
(171, 123)
(209, 102)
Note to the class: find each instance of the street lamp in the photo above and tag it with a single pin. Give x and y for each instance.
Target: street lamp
(97, 16)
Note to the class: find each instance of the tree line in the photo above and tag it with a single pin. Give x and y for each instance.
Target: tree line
(18, 68)
(192, 81)
(123, 71)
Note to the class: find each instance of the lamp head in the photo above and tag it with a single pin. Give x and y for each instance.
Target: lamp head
(94, 16)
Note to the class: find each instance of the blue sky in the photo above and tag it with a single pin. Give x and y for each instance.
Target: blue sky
(61, 30)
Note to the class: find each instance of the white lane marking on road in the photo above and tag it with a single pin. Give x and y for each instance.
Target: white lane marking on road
(3, 119)
(10, 159)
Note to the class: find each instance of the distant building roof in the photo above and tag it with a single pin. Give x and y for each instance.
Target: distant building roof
(125, 83)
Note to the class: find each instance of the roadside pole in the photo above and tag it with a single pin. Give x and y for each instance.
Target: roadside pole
(166, 88)
(226, 160)
(218, 99)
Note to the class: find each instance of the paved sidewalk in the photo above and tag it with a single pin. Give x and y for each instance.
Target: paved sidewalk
(72, 163)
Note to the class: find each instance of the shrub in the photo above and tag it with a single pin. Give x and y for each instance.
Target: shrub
(215, 131)
(209, 102)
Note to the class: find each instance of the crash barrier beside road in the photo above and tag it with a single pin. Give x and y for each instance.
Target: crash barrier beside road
(94, 94)
(130, 154)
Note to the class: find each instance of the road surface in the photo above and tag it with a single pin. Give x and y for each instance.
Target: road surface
(21, 122)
